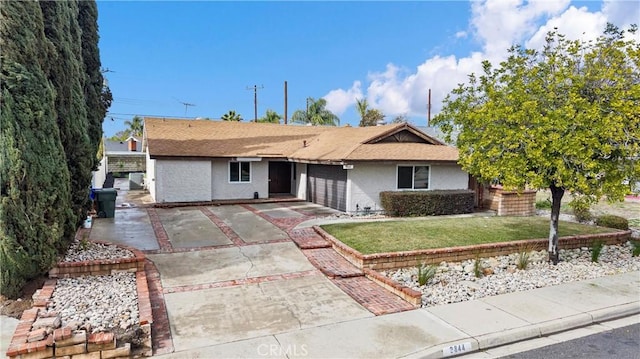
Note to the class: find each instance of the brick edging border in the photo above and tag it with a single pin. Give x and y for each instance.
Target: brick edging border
(395, 260)
(61, 337)
(100, 266)
(409, 295)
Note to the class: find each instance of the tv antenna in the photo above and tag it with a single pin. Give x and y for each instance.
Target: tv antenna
(186, 105)
(255, 89)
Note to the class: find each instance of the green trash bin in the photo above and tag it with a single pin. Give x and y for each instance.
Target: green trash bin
(106, 199)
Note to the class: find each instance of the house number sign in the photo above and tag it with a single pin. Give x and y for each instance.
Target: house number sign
(456, 349)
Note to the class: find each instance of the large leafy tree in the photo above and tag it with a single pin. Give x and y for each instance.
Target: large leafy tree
(566, 118)
(231, 116)
(368, 116)
(270, 117)
(35, 207)
(316, 114)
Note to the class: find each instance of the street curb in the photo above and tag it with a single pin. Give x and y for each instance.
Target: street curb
(532, 331)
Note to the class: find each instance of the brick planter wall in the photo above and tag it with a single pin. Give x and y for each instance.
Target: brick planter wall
(100, 267)
(412, 296)
(31, 341)
(385, 261)
(510, 203)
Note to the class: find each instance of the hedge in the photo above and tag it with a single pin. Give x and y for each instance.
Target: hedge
(611, 221)
(427, 203)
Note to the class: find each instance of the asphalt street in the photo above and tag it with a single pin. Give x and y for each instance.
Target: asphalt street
(620, 343)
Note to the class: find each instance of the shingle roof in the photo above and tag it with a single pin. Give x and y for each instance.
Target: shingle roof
(203, 138)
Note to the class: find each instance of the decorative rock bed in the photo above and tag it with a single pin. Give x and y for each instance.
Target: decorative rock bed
(456, 281)
(99, 307)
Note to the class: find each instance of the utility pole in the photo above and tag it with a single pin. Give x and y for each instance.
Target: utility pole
(255, 89)
(429, 109)
(285, 102)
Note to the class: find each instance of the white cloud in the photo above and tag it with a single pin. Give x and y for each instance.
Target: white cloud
(496, 24)
(622, 13)
(461, 34)
(339, 100)
(574, 23)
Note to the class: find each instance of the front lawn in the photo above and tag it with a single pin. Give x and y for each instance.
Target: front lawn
(397, 236)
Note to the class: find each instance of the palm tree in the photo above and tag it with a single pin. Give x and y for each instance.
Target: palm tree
(135, 126)
(231, 116)
(368, 116)
(270, 117)
(362, 106)
(316, 114)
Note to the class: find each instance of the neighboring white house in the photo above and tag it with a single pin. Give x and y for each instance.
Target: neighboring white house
(345, 168)
(123, 157)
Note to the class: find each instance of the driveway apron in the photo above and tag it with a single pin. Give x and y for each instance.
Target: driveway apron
(130, 227)
(190, 228)
(250, 227)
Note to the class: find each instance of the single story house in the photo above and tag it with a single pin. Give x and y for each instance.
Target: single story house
(123, 157)
(344, 168)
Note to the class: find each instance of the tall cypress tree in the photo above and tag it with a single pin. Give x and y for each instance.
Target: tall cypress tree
(34, 178)
(68, 78)
(96, 95)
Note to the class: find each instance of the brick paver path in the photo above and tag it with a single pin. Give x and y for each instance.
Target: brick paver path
(372, 296)
(160, 331)
(307, 238)
(331, 263)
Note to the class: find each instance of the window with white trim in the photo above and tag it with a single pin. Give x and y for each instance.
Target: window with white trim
(239, 172)
(413, 177)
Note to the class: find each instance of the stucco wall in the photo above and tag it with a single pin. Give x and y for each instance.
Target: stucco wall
(183, 181)
(300, 189)
(367, 180)
(221, 188)
(448, 177)
(100, 175)
(150, 177)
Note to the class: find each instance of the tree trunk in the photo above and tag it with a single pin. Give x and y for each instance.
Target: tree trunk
(556, 197)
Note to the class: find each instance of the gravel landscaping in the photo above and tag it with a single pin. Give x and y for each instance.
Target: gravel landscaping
(457, 282)
(97, 303)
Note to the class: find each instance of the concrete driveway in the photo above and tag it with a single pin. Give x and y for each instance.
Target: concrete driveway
(231, 272)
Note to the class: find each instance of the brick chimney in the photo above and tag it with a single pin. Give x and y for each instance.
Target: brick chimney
(133, 145)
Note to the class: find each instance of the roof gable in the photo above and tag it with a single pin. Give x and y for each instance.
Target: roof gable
(404, 133)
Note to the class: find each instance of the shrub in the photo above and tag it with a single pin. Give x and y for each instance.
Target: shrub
(612, 221)
(582, 213)
(544, 204)
(523, 259)
(427, 203)
(635, 248)
(596, 249)
(425, 273)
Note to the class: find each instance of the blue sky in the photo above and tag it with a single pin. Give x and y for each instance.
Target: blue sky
(163, 54)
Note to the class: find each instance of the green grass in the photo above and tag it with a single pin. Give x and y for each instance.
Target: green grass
(397, 236)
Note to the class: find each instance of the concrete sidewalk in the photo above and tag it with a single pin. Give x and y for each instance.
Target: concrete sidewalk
(451, 329)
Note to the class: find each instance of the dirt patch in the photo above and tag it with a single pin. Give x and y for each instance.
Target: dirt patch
(14, 307)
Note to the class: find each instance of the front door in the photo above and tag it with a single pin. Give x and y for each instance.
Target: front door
(279, 177)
